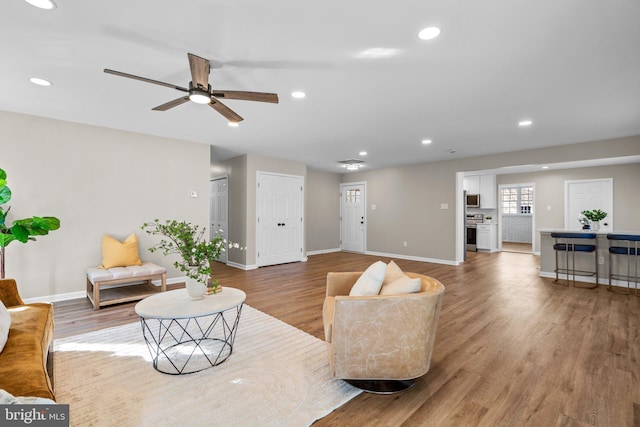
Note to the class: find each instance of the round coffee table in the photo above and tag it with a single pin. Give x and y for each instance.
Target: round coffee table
(186, 336)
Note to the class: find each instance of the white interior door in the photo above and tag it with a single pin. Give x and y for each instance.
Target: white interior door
(588, 194)
(352, 217)
(280, 205)
(219, 211)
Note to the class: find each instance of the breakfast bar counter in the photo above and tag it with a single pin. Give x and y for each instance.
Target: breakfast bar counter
(583, 261)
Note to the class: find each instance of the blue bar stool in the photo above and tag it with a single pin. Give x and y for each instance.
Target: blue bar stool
(627, 245)
(570, 243)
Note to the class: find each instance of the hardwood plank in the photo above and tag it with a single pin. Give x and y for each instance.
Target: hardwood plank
(511, 348)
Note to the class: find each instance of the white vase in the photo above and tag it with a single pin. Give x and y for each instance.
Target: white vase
(595, 225)
(195, 289)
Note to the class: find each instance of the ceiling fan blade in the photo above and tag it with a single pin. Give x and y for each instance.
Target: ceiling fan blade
(246, 96)
(171, 104)
(144, 79)
(227, 112)
(199, 71)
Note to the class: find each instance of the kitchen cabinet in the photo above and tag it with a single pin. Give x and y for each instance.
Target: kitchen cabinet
(486, 237)
(485, 186)
(488, 192)
(471, 184)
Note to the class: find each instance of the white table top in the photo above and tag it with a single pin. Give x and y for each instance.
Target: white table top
(178, 305)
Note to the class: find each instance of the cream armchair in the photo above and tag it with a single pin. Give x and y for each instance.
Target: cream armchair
(380, 343)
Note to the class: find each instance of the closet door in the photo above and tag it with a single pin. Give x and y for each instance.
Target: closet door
(219, 210)
(279, 228)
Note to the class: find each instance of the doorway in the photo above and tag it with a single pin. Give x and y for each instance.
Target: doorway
(219, 211)
(279, 227)
(517, 217)
(353, 225)
(588, 194)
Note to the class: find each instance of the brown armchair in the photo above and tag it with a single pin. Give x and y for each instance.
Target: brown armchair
(380, 343)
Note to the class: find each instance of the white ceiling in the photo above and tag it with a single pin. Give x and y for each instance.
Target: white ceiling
(571, 66)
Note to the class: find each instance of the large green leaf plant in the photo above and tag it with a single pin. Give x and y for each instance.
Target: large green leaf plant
(21, 230)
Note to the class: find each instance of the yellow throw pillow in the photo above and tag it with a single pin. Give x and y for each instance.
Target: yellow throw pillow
(120, 254)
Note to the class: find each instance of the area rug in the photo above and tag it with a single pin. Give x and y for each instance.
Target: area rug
(277, 375)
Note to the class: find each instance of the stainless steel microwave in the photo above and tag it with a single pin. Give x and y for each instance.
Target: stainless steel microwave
(473, 200)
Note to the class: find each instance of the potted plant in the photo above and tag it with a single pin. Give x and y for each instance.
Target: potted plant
(196, 253)
(594, 216)
(21, 230)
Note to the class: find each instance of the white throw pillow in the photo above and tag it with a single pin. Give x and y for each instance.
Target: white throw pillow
(370, 282)
(393, 273)
(403, 285)
(5, 324)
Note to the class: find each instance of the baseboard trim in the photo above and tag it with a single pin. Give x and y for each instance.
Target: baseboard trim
(245, 267)
(414, 258)
(323, 251)
(57, 297)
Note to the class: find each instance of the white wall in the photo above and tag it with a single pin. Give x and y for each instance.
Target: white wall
(97, 181)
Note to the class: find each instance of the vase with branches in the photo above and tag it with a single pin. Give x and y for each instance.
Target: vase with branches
(188, 242)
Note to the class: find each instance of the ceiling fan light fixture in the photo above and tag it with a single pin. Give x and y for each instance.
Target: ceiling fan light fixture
(199, 97)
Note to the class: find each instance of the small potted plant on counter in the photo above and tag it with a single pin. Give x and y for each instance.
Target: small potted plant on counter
(594, 217)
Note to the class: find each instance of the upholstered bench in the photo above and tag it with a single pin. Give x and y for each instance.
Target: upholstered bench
(139, 277)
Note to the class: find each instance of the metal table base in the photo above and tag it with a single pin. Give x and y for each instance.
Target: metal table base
(188, 345)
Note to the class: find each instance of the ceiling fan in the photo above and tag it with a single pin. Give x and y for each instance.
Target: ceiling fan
(201, 92)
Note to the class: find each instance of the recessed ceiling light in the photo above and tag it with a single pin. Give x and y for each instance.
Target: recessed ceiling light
(42, 4)
(363, 153)
(377, 52)
(429, 33)
(524, 123)
(352, 167)
(298, 94)
(426, 141)
(545, 167)
(233, 124)
(40, 82)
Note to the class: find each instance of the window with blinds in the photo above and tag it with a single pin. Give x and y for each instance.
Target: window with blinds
(517, 200)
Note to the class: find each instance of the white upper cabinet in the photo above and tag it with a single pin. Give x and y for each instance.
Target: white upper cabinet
(485, 186)
(471, 184)
(488, 192)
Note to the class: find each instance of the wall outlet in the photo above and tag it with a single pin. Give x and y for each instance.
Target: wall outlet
(194, 194)
(600, 260)
(444, 205)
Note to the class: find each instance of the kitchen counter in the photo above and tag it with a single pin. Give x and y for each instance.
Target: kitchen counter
(584, 261)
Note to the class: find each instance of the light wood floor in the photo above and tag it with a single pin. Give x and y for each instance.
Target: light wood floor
(512, 349)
